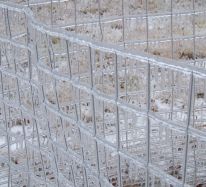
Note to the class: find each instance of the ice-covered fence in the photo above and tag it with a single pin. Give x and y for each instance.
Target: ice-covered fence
(98, 110)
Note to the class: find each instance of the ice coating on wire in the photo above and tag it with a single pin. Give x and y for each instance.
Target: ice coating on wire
(80, 112)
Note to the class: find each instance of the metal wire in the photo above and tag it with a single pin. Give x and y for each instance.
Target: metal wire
(102, 93)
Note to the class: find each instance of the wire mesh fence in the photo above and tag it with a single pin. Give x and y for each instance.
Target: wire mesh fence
(100, 93)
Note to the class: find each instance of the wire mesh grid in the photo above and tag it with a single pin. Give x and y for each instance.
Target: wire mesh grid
(102, 93)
